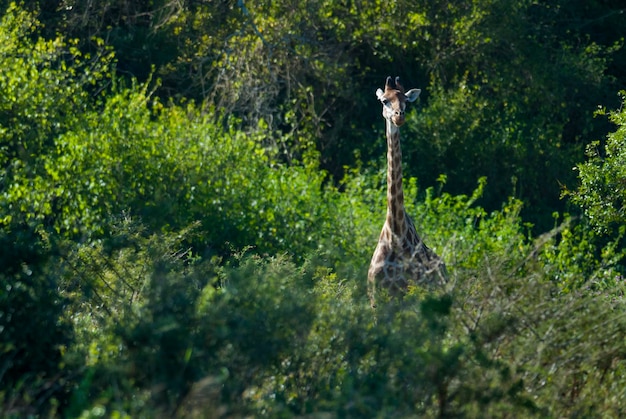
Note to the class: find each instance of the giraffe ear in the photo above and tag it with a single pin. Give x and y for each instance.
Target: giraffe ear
(379, 94)
(412, 94)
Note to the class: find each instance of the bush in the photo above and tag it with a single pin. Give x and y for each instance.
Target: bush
(602, 193)
(34, 335)
(44, 88)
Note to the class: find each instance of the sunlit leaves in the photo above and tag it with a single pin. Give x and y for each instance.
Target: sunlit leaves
(603, 178)
(120, 308)
(41, 86)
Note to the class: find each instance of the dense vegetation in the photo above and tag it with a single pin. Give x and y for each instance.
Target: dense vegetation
(190, 193)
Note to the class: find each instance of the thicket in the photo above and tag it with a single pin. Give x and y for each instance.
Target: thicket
(189, 198)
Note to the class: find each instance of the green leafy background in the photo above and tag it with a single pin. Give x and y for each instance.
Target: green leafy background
(190, 193)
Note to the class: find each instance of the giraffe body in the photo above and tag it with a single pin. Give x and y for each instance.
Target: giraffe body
(401, 258)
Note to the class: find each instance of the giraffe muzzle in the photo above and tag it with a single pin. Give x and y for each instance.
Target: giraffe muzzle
(398, 120)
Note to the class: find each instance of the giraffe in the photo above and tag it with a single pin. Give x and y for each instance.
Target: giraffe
(401, 257)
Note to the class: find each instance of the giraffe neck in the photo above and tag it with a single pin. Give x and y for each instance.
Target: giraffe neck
(395, 194)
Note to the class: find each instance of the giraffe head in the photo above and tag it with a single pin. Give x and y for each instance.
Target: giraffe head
(394, 100)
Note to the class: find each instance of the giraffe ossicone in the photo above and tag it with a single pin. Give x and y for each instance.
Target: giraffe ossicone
(401, 257)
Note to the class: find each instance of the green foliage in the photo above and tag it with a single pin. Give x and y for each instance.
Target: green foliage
(41, 86)
(602, 193)
(509, 86)
(170, 166)
(33, 333)
(576, 257)
(168, 329)
(165, 257)
(42, 93)
(166, 332)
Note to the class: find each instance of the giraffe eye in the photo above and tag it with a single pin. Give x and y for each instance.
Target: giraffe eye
(385, 102)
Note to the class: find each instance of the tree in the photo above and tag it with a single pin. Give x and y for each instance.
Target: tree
(43, 90)
(602, 190)
(42, 87)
